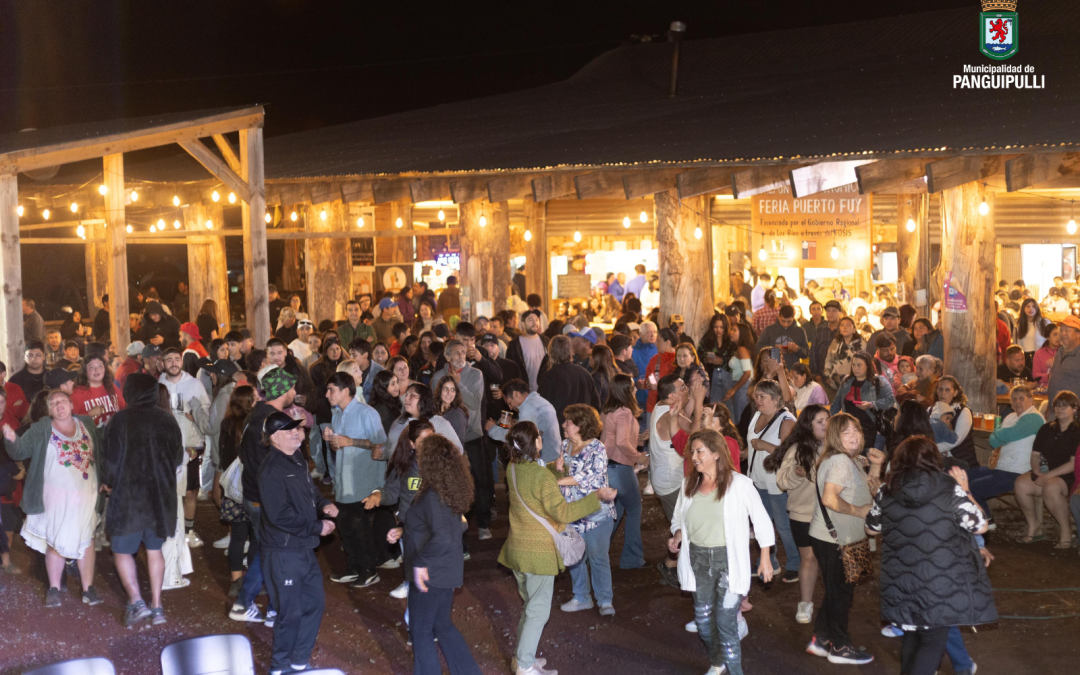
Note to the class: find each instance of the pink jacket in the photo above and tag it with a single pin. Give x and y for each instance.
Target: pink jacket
(1040, 364)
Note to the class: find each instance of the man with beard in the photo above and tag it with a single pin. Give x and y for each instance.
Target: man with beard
(529, 350)
(278, 355)
(191, 409)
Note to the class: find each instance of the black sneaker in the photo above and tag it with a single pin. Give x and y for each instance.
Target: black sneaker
(818, 647)
(136, 613)
(52, 598)
(790, 576)
(91, 597)
(668, 575)
(370, 581)
(849, 655)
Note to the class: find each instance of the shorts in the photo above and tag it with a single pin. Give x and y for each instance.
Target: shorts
(128, 544)
(12, 517)
(800, 532)
(194, 480)
(668, 503)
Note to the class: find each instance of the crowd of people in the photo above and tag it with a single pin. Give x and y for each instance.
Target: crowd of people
(800, 427)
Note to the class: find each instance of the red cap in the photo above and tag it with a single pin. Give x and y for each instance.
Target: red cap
(191, 329)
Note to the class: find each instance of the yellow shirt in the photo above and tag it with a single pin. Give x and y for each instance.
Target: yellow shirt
(705, 520)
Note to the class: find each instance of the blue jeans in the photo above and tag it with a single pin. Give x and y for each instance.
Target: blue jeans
(776, 505)
(253, 578)
(721, 382)
(597, 541)
(986, 483)
(738, 402)
(957, 652)
(628, 502)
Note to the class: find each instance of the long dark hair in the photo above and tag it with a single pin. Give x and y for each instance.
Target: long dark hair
(708, 340)
(621, 395)
(913, 455)
(871, 370)
(718, 446)
(807, 446)
(1036, 323)
(83, 380)
(456, 403)
(405, 450)
(379, 393)
(425, 405)
(912, 420)
(241, 403)
(603, 361)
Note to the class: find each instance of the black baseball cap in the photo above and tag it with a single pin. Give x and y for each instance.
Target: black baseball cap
(57, 377)
(279, 421)
(835, 304)
(489, 339)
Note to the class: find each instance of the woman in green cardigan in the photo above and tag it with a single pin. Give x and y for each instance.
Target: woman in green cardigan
(529, 549)
(61, 491)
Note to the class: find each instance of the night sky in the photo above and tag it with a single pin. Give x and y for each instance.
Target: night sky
(320, 63)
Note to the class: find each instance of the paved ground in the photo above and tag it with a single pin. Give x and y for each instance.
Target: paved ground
(363, 630)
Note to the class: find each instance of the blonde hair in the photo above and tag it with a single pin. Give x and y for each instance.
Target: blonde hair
(834, 442)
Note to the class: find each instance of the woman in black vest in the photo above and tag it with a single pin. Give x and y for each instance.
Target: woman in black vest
(952, 394)
(932, 575)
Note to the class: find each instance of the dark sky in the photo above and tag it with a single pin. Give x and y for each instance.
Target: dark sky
(327, 62)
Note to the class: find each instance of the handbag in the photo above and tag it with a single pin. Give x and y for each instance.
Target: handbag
(231, 481)
(569, 543)
(858, 565)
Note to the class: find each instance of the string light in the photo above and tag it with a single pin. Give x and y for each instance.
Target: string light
(528, 235)
(577, 236)
(81, 231)
(134, 196)
(442, 215)
(19, 210)
(644, 216)
(293, 216)
(360, 221)
(483, 221)
(626, 222)
(102, 190)
(153, 228)
(984, 208)
(835, 252)
(74, 207)
(322, 215)
(215, 196)
(176, 200)
(761, 254)
(161, 224)
(209, 224)
(130, 229)
(697, 233)
(398, 222)
(176, 224)
(910, 225)
(45, 214)
(268, 218)
(232, 197)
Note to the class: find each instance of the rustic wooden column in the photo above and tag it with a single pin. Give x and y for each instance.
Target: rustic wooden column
(720, 248)
(685, 261)
(911, 257)
(97, 265)
(208, 270)
(485, 256)
(116, 250)
(256, 277)
(967, 250)
(11, 315)
(538, 271)
(328, 263)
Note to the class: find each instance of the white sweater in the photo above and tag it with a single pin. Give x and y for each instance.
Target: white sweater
(181, 395)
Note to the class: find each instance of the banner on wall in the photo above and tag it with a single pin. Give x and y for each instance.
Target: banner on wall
(830, 229)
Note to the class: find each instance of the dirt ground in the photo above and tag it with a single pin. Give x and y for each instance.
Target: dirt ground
(363, 630)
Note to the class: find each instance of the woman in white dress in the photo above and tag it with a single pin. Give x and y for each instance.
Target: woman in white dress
(175, 549)
(61, 491)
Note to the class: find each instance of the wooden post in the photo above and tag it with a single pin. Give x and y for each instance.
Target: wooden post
(208, 270)
(485, 256)
(967, 250)
(685, 262)
(97, 267)
(116, 248)
(910, 257)
(256, 278)
(538, 270)
(11, 315)
(719, 249)
(328, 263)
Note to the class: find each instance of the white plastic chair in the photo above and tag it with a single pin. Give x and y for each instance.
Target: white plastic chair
(91, 666)
(209, 655)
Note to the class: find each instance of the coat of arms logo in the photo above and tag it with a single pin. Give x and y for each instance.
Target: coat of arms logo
(998, 26)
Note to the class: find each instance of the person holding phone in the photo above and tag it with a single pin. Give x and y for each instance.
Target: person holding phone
(786, 338)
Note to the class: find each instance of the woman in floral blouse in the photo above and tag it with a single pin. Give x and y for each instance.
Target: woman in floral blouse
(583, 470)
(841, 349)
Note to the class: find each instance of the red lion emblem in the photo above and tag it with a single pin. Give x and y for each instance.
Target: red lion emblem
(1000, 30)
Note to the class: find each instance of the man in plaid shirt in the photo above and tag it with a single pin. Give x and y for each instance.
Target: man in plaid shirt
(766, 316)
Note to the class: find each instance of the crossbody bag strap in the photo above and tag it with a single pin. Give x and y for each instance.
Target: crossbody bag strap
(825, 512)
(543, 521)
(755, 451)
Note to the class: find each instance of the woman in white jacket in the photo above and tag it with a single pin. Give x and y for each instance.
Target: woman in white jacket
(713, 514)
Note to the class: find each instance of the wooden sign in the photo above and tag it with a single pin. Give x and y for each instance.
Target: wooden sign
(573, 286)
(806, 232)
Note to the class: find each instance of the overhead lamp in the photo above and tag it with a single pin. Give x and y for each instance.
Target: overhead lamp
(102, 190)
(232, 197)
(398, 222)
(322, 214)
(644, 216)
(577, 236)
(134, 196)
(442, 215)
(697, 233)
(19, 210)
(45, 214)
(1070, 227)
(268, 218)
(81, 231)
(293, 216)
(911, 225)
(835, 253)
(626, 222)
(176, 200)
(528, 235)
(161, 224)
(176, 224)
(209, 224)
(74, 207)
(153, 228)
(360, 221)
(761, 254)
(130, 229)
(215, 196)
(984, 208)
(483, 221)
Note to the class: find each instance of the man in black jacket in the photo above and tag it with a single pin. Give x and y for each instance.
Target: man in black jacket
(528, 350)
(289, 533)
(566, 383)
(158, 328)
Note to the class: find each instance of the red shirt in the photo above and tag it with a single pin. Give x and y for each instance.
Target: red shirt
(678, 441)
(395, 349)
(17, 406)
(1003, 340)
(666, 363)
(85, 398)
(129, 366)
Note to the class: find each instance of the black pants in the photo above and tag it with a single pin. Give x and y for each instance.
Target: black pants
(356, 525)
(921, 651)
(239, 531)
(294, 582)
(429, 618)
(832, 620)
(480, 467)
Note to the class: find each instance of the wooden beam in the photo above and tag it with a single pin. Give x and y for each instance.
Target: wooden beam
(468, 189)
(386, 191)
(61, 223)
(11, 316)
(513, 186)
(638, 184)
(360, 234)
(329, 270)
(809, 180)
(759, 180)
(356, 191)
(116, 250)
(322, 193)
(955, 171)
(912, 249)
(882, 175)
(291, 193)
(219, 168)
(429, 190)
(537, 262)
(702, 181)
(253, 213)
(553, 186)
(1030, 170)
(599, 184)
(128, 141)
(227, 152)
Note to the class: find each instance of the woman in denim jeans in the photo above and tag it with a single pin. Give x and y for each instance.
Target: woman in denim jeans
(713, 515)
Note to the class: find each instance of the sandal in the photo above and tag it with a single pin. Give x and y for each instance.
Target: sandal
(1063, 545)
(1031, 539)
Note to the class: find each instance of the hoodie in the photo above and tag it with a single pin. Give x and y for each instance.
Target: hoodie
(188, 396)
(167, 327)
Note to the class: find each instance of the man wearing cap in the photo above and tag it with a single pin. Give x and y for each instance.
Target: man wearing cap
(1065, 371)
(278, 393)
(384, 325)
(190, 407)
(582, 342)
(824, 337)
(890, 325)
(785, 334)
(132, 364)
(300, 348)
(151, 360)
(193, 349)
(158, 328)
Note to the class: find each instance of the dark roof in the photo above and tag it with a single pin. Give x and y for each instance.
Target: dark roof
(876, 86)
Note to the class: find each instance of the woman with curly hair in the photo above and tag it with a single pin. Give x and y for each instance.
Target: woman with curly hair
(434, 559)
(95, 394)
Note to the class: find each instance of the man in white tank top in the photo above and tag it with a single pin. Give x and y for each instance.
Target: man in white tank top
(665, 465)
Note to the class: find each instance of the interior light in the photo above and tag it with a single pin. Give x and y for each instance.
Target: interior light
(45, 214)
(81, 231)
(268, 218)
(644, 216)
(209, 224)
(130, 229)
(134, 196)
(293, 216)
(442, 215)
(483, 221)
(176, 200)
(577, 236)
(102, 190)
(398, 222)
(1071, 226)
(232, 197)
(215, 196)
(528, 235)
(910, 225)
(626, 222)
(761, 254)
(697, 233)
(161, 224)
(322, 214)
(984, 208)
(360, 221)
(19, 210)
(74, 207)
(176, 224)
(835, 253)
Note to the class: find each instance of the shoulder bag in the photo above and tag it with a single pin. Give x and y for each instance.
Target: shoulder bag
(569, 543)
(858, 565)
(771, 463)
(231, 483)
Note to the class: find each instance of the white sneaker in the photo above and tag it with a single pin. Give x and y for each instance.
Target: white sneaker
(193, 540)
(250, 613)
(891, 631)
(717, 670)
(574, 606)
(401, 592)
(184, 583)
(204, 496)
(483, 533)
(648, 489)
(691, 627)
(270, 616)
(391, 564)
(805, 612)
(223, 542)
(315, 475)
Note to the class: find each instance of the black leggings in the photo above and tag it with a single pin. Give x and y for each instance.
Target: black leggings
(238, 534)
(921, 651)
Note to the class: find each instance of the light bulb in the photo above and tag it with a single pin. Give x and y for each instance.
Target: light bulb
(1071, 226)
(81, 231)
(161, 224)
(911, 225)
(130, 229)
(153, 228)
(644, 216)
(697, 233)
(293, 216)
(398, 222)
(176, 224)
(528, 235)
(215, 196)
(209, 224)
(134, 196)
(45, 214)
(19, 210)
(761, 254)
(626, 222)
(577, 236)
(268, 218)
(74, 207)
(176, 200)
(360, 221)
(232, 197)
(984, 208)
(102, 190)
(835, 253)
(322, 214)
(442, 215)
(483, 221)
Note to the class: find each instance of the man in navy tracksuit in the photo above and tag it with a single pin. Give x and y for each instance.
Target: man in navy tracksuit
(290, 531)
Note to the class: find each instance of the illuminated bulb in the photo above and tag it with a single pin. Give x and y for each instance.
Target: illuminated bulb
(442, 215)
(398, 222)
(835, 253)
(74, 207)
(45, 214)
(761, 254)
(528, 235)
(215, 196)
(268, 218)
(176, 200)
(102, 190)
(81, 231)
(232, 197)
(322, 214)
(209, 224)
(134, 196)
(292, 216)
(130, 229)
(161, 224)
(984, 209)
(644, 216)
(910, 225)
(153, 228)
(1071, 226)
(697, 233)
(483, 221)
(19, 210)
(360, 221)
(626, 222)
(577, 236)
(176, 224)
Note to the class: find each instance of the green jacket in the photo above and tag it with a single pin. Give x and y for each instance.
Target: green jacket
(529, 547)
(34, 444)
(347, 333)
